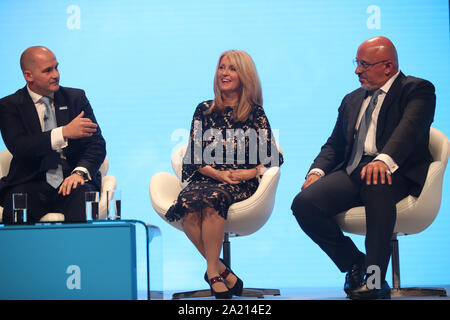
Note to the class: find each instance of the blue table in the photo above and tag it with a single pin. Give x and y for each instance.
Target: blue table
(93, 260)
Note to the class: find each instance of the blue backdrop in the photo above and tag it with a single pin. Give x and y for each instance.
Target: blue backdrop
(145, 65)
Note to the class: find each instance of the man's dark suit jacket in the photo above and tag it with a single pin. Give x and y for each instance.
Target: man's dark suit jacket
(403, 130)
(31, 148)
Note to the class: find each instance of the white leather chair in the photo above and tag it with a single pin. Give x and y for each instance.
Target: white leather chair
(244, 217)
(413, 214)
(108, 183)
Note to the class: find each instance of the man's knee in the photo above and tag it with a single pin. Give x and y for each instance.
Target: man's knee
(301, 205)
(297, 204)
(376, 193)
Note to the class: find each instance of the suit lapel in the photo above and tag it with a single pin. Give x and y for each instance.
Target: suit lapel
(355, 107)
(61, 109)
(388, 100)
(29, 113)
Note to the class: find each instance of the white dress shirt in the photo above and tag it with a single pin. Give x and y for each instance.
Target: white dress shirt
(57, 140)
(56, 136)
(370, 146)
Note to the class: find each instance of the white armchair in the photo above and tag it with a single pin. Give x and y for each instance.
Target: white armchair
(413, 214)
(244, 217)
(108, 183)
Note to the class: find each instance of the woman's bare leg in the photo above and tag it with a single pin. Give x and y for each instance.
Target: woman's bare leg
(213, 226)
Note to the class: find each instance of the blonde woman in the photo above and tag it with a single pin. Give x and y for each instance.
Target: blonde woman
(230, 145)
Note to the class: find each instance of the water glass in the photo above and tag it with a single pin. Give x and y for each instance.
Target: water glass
(114, 204)
(19, 208)
(92, 209)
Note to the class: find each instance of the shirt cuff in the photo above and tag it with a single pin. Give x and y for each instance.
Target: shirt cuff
(317, 171)
(57, 139)
(84, 170)
(388, 161)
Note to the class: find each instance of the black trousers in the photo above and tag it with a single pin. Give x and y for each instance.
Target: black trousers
(43, 198)
(316, 206)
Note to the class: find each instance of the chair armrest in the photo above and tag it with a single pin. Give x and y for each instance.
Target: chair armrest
(248, 216)
(164, 189)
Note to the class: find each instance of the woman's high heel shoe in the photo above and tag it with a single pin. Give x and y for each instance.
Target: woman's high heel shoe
(238, 287)
(219, 295)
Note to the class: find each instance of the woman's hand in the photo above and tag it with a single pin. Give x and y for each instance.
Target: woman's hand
(243, 174)
(226, 176)
(222, 176)
(229, 176)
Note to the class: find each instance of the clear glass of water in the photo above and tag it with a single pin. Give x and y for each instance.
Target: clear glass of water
(19, 208)
(91, 200)
(114, 204)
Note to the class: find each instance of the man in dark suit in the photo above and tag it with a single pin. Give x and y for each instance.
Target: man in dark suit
(376, 155)
(56, 144)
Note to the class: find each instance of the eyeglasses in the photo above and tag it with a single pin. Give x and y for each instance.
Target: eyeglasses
(365, 65)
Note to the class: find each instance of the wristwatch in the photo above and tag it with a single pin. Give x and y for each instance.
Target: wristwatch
(82, 174)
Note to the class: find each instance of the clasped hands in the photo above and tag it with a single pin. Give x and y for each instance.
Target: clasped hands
(235, 176)
(370, 172)
(231, 176)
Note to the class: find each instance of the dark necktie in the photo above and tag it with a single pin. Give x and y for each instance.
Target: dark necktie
(54, 177)
(358, 145)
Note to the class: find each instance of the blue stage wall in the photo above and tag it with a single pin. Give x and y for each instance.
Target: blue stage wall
(145, 65)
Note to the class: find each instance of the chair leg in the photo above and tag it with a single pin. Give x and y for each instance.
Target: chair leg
(226, 249)
(247, 292)
(192, 294)
(397, 291)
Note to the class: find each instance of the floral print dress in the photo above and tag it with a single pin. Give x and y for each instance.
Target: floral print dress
(218, 141)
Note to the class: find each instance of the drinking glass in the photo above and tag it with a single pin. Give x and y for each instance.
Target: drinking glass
(92, 200)
(114, 204)
(19, 208)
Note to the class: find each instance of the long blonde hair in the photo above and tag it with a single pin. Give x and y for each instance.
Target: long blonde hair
(251, 93)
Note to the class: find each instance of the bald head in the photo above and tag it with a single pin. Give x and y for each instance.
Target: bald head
(377, 62)
(31, 55)
(40, 70)
(381, 48)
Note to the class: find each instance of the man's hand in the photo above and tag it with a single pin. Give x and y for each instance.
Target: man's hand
(310, 179)
(69, 183)
(79, 127)
(372, 170)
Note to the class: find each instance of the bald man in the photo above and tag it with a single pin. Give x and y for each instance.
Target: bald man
(376, 155)
(55, 141)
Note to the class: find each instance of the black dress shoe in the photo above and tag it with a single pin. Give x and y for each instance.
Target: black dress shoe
(364, 293)
(355, 276)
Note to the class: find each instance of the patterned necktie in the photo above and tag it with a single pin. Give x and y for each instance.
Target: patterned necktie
(358, 145)
(54, 176)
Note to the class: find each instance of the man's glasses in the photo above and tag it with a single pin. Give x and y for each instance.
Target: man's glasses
(363, 64)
